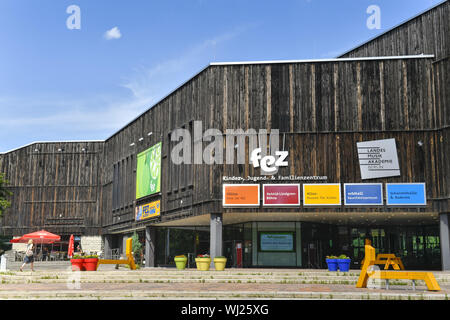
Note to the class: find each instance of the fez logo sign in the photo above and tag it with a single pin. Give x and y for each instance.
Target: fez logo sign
(378, 159)
(269, 163)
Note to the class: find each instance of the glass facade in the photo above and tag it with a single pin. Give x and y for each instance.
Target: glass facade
(302, 244)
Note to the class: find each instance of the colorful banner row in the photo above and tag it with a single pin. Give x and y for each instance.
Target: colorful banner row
(324, 194)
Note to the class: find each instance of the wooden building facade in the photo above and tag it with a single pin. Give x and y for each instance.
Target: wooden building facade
(383, 89)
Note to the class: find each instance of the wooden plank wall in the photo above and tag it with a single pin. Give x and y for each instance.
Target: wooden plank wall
(425, 34)
(321, 109)
(53, 190)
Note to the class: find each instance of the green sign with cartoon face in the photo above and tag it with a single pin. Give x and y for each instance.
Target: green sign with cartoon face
(148, 172)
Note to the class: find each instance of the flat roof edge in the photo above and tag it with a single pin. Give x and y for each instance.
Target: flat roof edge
(420, 56)
(64, 141)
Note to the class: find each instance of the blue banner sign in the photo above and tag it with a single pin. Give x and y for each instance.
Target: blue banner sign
(363, 194)
(406, 194)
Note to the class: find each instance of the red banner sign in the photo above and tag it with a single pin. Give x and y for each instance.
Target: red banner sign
(281, 195)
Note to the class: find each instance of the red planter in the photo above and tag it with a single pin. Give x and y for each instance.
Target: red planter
(77, 264)
(90, 264)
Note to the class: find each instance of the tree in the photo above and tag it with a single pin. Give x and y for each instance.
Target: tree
(4, 194)
(136, 248)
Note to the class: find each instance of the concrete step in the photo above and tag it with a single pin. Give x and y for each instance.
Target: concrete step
(209, 295)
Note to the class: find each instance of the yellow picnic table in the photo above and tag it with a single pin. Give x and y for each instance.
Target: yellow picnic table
(370, 260)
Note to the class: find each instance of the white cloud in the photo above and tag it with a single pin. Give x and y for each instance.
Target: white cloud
(113, 33)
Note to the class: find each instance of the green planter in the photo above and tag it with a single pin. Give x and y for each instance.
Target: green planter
(180, 262)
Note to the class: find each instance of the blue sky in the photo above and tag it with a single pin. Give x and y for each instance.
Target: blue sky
(59, 84)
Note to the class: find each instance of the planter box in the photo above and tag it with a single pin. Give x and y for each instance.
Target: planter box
(219, 263)
(90, 264)
(203, 263)
(77, 264)
(332, 264)
(180, 262)
(343, 264)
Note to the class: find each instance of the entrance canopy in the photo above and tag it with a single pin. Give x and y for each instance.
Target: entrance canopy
(37, 237)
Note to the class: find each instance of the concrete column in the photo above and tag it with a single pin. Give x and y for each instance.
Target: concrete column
(150, 247)
(107, 246)
(215, 235)
(445, 240)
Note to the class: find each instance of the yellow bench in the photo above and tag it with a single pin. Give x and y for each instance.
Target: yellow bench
(129, 261)
(369, 260)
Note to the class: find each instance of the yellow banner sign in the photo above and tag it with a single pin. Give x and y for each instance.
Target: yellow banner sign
(149, 210)
(322, 194)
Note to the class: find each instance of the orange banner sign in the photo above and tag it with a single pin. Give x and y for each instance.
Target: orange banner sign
(241, 195)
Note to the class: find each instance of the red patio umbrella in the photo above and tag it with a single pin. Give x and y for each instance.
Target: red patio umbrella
(37, 237)
(70, 252)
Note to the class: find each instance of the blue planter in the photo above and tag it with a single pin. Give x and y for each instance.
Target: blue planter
(332, 264)
(344, 264)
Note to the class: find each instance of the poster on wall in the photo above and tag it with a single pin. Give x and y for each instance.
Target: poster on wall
(363, 194)
(240, 195)
(406, 194)
(149, 210)
(276, 241)
(322, 194)
(148, 171)
(378, 159)
(281, 195)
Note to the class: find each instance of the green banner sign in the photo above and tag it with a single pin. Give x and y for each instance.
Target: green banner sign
(148, 173)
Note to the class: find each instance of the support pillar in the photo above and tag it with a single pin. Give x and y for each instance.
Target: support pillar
(215, 235)
(150, 247)
(107, 246)
(445, 240)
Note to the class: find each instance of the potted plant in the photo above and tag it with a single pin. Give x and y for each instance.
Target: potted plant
(332, 263)
(219, 263)
(90, 263)
(77, 263)
(203, 261)
(343, 263)
(180, 262)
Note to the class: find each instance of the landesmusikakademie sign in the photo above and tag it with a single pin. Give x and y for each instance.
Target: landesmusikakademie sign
(149, 210)
(240, 195)
(322, 194)
(378, 159)
(148, 171)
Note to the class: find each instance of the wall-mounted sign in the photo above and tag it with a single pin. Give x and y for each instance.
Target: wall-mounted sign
(276, 241)
(322, 194)
(406, 194)
(149, 210)
(240, 195)
(363, 194)
(148, 171)
(378, 158)
(281, 194)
